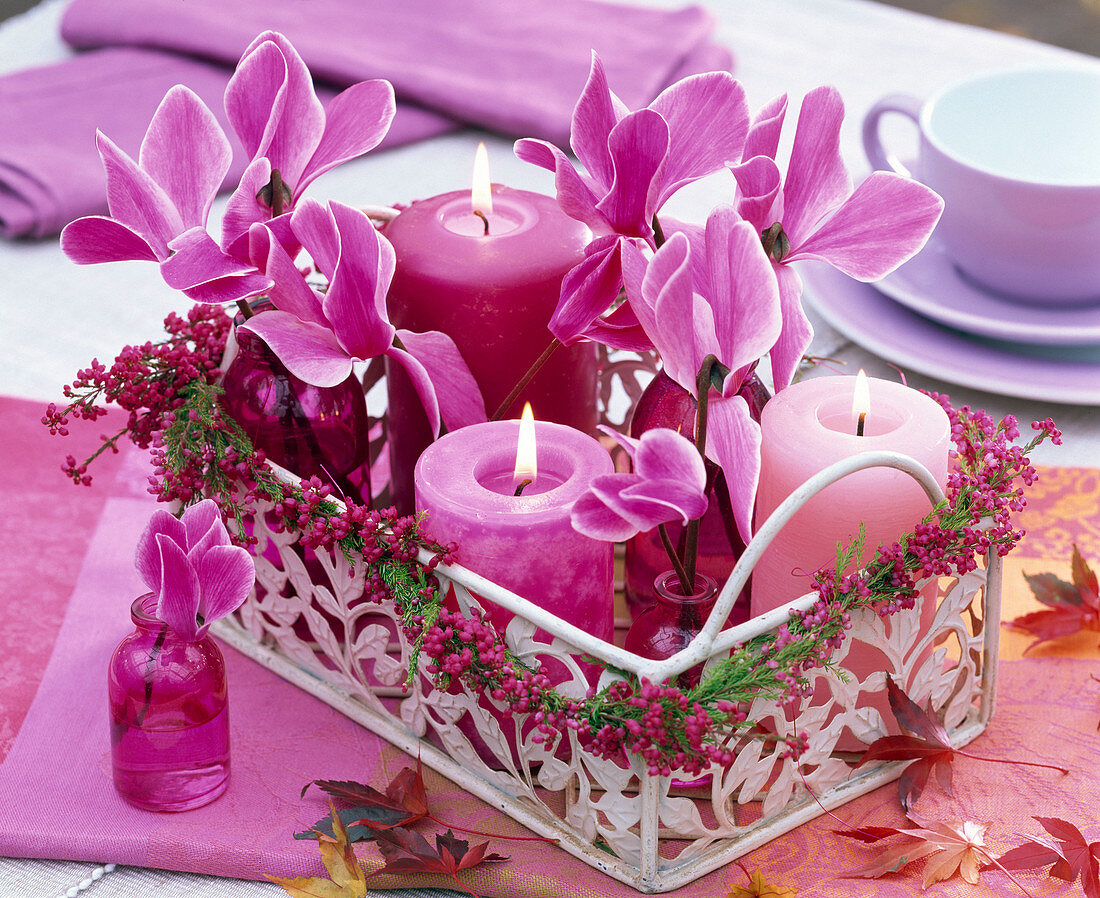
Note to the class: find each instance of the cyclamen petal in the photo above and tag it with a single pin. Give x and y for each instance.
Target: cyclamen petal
(256, 96)
(664, 455)
(355, 303)
(758, 187)
(189, 169)
(229, 289)
(668, 484)
(289, 291)
(708, 120)
(817, 180)
(460, 399)
(95, 239)
(638, 146)
(147, 554)
(765, 130)
(597, 112)
(575, 196)
(309, 351)
(200, 523)
(243, 209)
(733, 441)
(136, 200)
(315, 227)
(592, 518)
(886, 221)
(356, 120)
(180, 592)
(197, 259)
(422, 383)
(226, 574)
(797, 333)
(588, 289)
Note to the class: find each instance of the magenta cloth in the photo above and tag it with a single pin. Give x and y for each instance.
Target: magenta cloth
(50, 172)
(451, 62)
(517, 68)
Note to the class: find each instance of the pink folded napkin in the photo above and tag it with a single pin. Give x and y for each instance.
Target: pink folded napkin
(517, 69)
(50, 172)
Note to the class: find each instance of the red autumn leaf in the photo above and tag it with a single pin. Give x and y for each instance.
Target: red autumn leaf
(1070, 853)
(405, 801)
(928, 747)
(1071, 607)
(409, 852)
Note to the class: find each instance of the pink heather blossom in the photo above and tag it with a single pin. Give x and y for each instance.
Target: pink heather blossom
(866, 233)
(273, 108)
(197, 574)
(714, 294)
(635, 161)
(668, 484)
(159, 204)
(318, 336)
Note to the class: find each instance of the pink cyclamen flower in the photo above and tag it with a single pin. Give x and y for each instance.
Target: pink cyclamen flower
(866, 233)
(198, 575)
(159, 204)
(272, 106)
(635, 161)
(714, 296)
(318, 336)
(668, 484)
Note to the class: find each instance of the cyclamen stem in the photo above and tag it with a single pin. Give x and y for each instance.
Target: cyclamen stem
(526, 379)
(702, 383)
(687, 585)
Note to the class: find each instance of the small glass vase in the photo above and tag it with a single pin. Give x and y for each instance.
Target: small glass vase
(169, 716)
(322, 431)
(664, 403)
(672, 621)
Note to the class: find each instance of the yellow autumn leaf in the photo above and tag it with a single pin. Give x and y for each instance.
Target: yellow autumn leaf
(758, 887)
(348, 879)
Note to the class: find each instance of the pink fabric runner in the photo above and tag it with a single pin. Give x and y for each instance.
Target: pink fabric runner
(59, 801)
(518, 71)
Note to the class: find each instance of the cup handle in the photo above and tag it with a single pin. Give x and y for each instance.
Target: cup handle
(879, 158)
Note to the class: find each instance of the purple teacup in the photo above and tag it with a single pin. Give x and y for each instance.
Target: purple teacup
(1016, 157)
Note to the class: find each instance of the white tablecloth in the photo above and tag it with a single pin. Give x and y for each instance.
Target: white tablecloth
(56, 316)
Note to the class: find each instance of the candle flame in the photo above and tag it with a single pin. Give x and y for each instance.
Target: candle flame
(526, 457)
(481, 197)
(861, 396)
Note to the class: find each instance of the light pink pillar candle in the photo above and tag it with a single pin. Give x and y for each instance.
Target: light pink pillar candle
(808, 427)
(526, 543)
(493, 295)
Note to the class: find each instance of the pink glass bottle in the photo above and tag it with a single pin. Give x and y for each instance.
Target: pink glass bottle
(672, 621)
(309, 430)
(169, 716)
(666, 404)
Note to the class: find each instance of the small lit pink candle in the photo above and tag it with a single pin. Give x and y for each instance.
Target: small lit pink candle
(466, 482)
(493, 292)
(813, 424)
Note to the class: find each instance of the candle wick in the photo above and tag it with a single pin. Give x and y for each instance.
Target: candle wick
(860, 423)
(522, 486)
(484, 218)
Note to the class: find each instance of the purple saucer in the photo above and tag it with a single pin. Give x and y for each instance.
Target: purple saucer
(1069, 374)
(930, 284)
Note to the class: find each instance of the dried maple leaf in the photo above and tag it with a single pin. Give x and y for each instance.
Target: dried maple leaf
(409, 852)
(347, 878)
(1071, 607)
(404, 802)
(758, 887)
(928, 747)
(954, 847)
(1071, 854)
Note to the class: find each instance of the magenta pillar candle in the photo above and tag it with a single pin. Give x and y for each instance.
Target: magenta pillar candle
(808, 427)
(493, 295)
(526, 543)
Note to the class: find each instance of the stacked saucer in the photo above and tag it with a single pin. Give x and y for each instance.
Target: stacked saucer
(928, 317)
